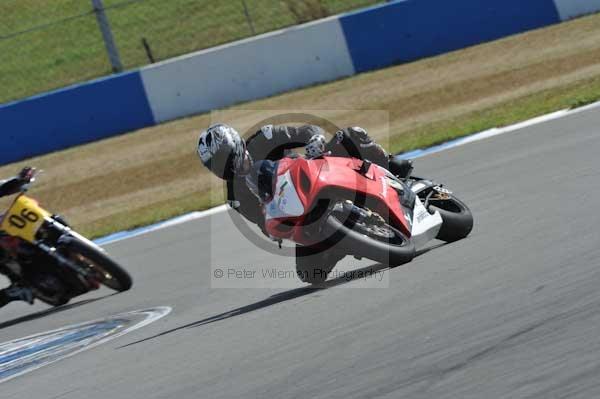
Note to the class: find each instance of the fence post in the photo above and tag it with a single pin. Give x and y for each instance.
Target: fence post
(109, 41)
(248, 18)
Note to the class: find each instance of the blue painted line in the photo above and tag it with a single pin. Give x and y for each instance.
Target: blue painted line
(23, 355)
(76, 336)
(121, 235)
(421, 152)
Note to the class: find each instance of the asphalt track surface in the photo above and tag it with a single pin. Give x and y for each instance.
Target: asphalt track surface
(511, 312)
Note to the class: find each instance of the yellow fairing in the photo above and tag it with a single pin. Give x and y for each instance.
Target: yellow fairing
(24, 218)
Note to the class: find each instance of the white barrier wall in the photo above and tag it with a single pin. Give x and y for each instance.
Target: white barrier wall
(391, 33)
(248, 70)
(568, 9)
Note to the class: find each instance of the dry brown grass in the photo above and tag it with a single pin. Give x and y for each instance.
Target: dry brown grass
(153, 173)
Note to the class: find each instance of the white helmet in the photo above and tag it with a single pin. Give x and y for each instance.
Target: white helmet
(222, 150)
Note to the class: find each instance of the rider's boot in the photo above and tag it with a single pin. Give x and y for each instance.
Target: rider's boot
(313, 265)
(400, 167)
(15, 292)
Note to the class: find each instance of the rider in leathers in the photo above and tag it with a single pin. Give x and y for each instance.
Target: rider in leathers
(228, 156)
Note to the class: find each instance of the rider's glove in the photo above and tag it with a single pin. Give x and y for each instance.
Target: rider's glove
(315, 146)
(26, 174)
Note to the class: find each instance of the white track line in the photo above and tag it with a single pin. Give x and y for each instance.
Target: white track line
(151, 315)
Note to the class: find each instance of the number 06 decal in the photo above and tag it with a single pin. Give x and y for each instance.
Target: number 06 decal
(21, 221)
(24, 218)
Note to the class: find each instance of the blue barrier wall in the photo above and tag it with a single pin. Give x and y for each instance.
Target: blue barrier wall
(411, 29)
(396, 32)
(72, 116)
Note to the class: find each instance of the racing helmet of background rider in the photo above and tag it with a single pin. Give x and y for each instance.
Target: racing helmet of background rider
(223, 151)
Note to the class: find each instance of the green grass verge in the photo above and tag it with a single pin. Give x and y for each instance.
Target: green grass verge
(129, 220)
(73, 51)
(570, 96)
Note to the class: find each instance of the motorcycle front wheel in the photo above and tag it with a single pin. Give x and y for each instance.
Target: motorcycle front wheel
(457, 220)
(111, 273)
(369, 237)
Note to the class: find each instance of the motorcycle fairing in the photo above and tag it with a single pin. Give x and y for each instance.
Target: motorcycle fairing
(309, 178)
(425, 226)
(285, 202)
(24, 218)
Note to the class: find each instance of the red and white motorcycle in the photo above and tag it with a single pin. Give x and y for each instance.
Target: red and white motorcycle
(332, 207)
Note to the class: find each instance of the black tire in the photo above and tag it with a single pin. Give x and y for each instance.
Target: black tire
(393, 252)
(457, 219)
(115, 277)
